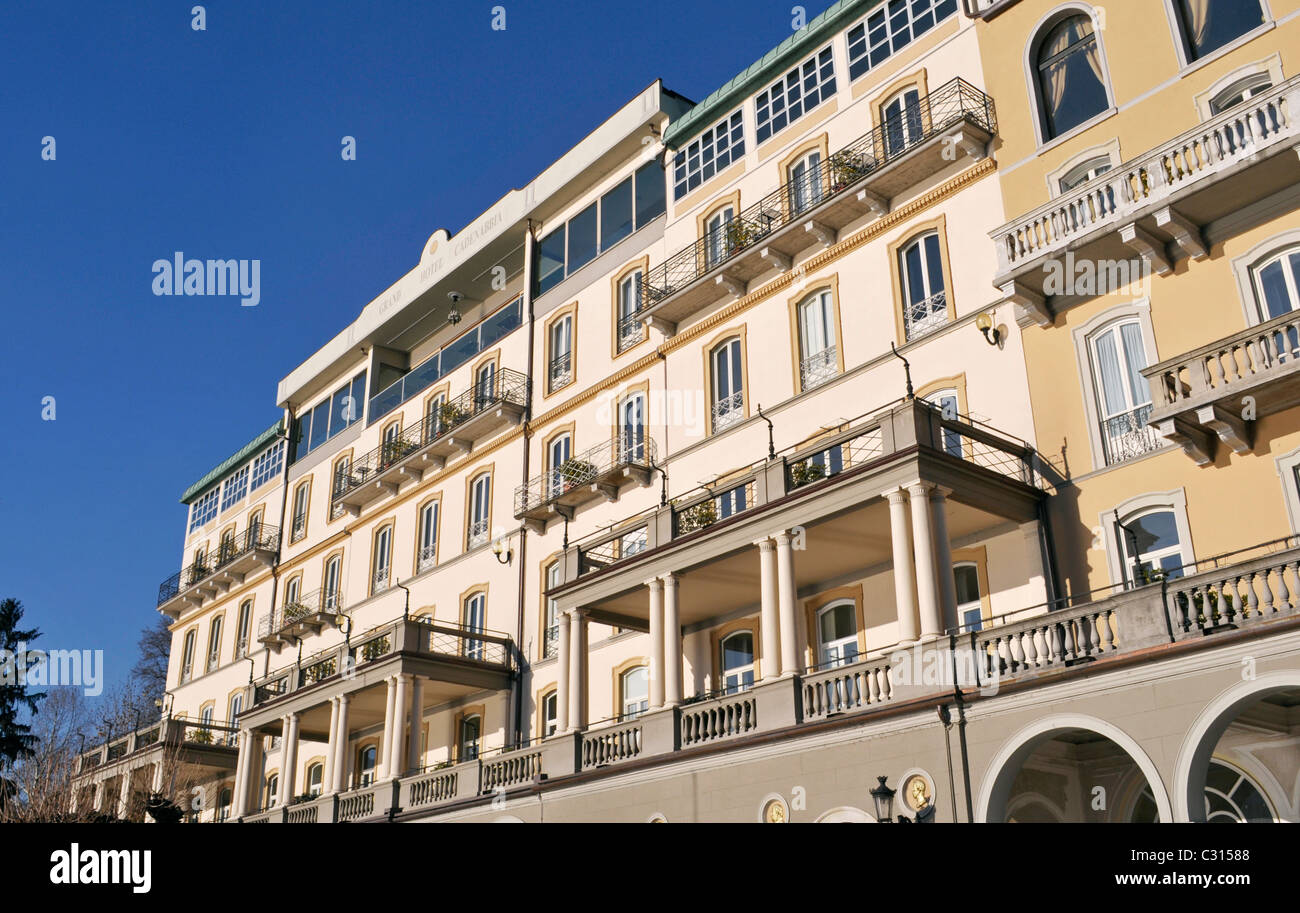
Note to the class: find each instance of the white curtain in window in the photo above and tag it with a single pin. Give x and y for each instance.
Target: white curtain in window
(1136, 357)
(1112, 378)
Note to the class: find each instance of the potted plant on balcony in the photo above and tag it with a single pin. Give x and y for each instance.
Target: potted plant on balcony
(806, 472)
(698, 516)
(740, 234)
(201, 736)
(846, 168)
(449, 416)
(394, 451)
(576, 472)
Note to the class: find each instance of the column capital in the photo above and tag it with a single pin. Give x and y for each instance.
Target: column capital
(670, 579)
(655, 583)
(343, 699)
(783, 538)
(919, 489)
(575, 613)
(765, 544)
(897, 495)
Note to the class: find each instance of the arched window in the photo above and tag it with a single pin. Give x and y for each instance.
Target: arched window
(1123, 394)
(550, 713)
(560, 371)
(719, 238)
(223, 804)
(315, 779)
(837, 630)
(1232, 798)
(818, 360)
(291, 592)
(467, 739)
(214, 644)
(433, 422)
(1084, 172)
(1071, 81)
(1277, 283)
(475, 613)
(804, 179)
(902, 121)
(366, 765)
(970, 608)
(243, 628)
(947, 402)
(428, 544)
(728, 384)
(738, 662)
(480, 510)
(630, 329)
(226, 550)
(551, 636)
(1207, 25)
(634, 693)
(1152, 548)
(382, 559)
(236, 708)
(299, 528)
(272, 790)
(925, 299)
(562, 476)
(1241, 90)
(333, 579)
(485, 386)
(187, 656)
(632, 431)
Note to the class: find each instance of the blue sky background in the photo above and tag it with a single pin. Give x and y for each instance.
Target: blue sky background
(225, 144)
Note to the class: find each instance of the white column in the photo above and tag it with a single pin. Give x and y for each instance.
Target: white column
(124, 794)
(943, 558)
(386, 742)
(400, 710)
(672, 643)
(98, 803)
(327, 775)
(577, 670)
(289, 759)
(785, 589)
(252, 774)
(927, 596)
(241, 774)
(904, 575)
(414, 757)
(657, 658)
(562, 676)
(770, 630)
(340, 751)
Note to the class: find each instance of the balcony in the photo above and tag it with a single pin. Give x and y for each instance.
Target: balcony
(427, 445)
(208, 745)
(855, 181)
(602, 471)
(1166, 196)
(1200, 395)
(236, 558)
(295, 620)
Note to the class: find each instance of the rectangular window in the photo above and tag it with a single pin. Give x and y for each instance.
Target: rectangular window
(234, 488)
(712, 151)
(267, 465)
(203, 510)
(330, 417)
(651, 194)
(550, 260)
(616, 215)
(795, 94)
(892, 27)
(582, 238)
(299, 513)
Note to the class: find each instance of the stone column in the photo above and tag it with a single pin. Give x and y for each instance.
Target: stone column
(289, 759)
(927, 596)
(672, 643)
(904, 573)
(340, 750)
(385, 743)
(770, 631)
(785, 589)
(577, 669)
(414, 755)
(562, 675)
(943, 558)
(124, 794)
(400, 710)
(657, 657)
(241, 774)
(327, 775)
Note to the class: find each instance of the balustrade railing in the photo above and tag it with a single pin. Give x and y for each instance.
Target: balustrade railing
(845, 688)
(721, 718)
(1237, 596)
(258, 537)
(601, 747)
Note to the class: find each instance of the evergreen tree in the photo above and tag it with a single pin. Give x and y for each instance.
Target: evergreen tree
(16, 738)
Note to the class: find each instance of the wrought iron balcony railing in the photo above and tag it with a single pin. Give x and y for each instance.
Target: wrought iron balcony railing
(258, 537)
(310, 612)
(1127, 436)
(630, 330)
(921, 317)
(818, 368)
(952, 103)
(601, 466)
(560, 371)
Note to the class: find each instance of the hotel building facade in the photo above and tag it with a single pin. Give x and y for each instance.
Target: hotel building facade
(916, 409)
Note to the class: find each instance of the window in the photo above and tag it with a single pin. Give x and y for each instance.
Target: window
(634, 686)
(804, 180)
(902, 121)
(1240, 91)
(712, 151)
(651, 193)
(837, 629)
(632, 434)
(485, 386)
(475, 613)
(272, 790)
(551, 637)
(562, 476)
(947, 402)
(1232, 798)
(480, 511)
(1207, 25)
(719, 238)
(300, 511)
(291, 591)
(970, 608)
(728, 387)
(333, 579)
(616, 221)
(187, 656)
(1071, 83)
(891, 28)
(925, 300)
(267, 465)
(366, 765)
(214, 644)
(817, 355)
(795, 94)
(383, 559)
(225, 548)
(203, 510)
(550, 714)
(560, 372)
(1123, 395)
(583, 237)
(467, 739)
(1082, 174)
(342, 480)
(315, 779)
(330, 417)
(630, 329)
(236, 708)
(738, 662)
(1151, 547)
(223, 805)
(234, 489)
(1277, 284)
(205, 715)
(428, 544)
(243, 628)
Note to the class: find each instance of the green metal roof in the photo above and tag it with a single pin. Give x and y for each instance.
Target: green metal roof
(759, 74)
(231, 463)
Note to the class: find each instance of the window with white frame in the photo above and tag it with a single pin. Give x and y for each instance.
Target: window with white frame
(738, 662)
(187, 656)
(562, 476)
(891, 27)
(315, 779)
(383, 555)
(480, 511)
(1277, 283)
(728, 384)
(236, 708)
(333, 583)
(1084, 172)
(818, 360)
(428, 555)
(366, 765)
(551, 636)
(485, 386)
(1242, 90)
(203, 510)
(837, 630)
(804, 182)
(925, 299)
(550, 714)
(299, 512)
(903, 124)
(433, 417)
(634, 692)
(1070, 76)
(947, 402)
(796, 93)
(214, 644)
(712, 151)
(719, 237)
(267, 465)
(475, 616)
(234, 488)
(467, 741)
(243, 628)
(970, 606)
(1231, 797)
(272, 790)
(1207, 25)
(560, 370)
(1123, 396)
(1151, 546)
(632, 433)
(630, 329)
(291, 591)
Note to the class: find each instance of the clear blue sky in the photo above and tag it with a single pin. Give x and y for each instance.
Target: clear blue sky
(225, 144)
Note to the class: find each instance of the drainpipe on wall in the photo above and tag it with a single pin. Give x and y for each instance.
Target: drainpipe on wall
(529, 240)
